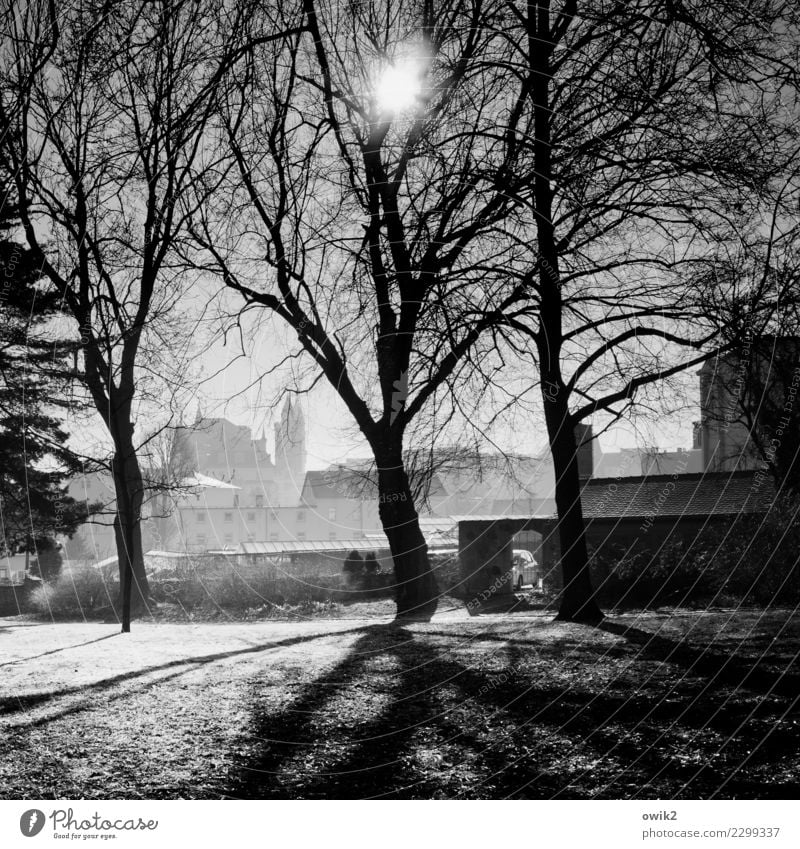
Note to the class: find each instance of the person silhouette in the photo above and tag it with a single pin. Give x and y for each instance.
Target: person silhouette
(353, 566)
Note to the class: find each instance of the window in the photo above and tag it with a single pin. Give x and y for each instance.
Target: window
(200, 516)
(332, 535)
(273, 535)
(201, 540)
(259, 501)
(251, 517)
(228, 539)
(250, 537)
(301, 535)
(236, 499)
(301, 515)
(332, 514)
(228, 518)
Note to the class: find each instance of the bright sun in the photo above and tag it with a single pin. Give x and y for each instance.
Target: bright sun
(399, 86)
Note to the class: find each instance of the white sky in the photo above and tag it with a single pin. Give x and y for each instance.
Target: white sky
(331, 436)
(246, 390)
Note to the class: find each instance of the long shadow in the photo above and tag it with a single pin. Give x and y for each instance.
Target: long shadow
(55, 651)
(296, 757)
(719, 669)
(14, 704)
(505, 604)
(481, 637)
(6, 625)
(416, 714)
(289, 735)
(418, 725)
(599, 722)
(664, 729)
(376, 760)
(81, 706)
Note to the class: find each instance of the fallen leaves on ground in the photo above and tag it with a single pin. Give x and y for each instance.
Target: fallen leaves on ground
(654, 705)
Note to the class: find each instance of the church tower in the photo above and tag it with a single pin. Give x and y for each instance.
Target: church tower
(290, 454)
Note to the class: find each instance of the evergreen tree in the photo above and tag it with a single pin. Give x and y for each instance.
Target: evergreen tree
(34, 460)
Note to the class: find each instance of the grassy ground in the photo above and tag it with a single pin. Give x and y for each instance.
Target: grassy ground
(676, 704)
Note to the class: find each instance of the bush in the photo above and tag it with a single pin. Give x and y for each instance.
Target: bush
(759, 561)
(447, 571)
(77, 592)
(671, 575)
(247, 588)
(754, 560)
(240, 591)
(81, 591)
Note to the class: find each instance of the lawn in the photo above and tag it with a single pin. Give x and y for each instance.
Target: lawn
(657, 705)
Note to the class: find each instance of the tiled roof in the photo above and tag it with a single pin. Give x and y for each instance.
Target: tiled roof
(707, 494)
(205, 481)
(339, 483)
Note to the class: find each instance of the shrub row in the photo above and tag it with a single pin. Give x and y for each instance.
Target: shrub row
(755, 560)
(83, 591)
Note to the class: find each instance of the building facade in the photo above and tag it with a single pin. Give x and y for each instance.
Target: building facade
(230, 489)
(750, 415)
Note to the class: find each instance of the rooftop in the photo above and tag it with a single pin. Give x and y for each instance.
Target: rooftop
(198, 479)
(698, 494)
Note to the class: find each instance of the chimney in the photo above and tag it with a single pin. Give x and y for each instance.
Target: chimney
(585, 450)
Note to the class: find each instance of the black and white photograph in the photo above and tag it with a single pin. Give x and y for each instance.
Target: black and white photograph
(400, 400)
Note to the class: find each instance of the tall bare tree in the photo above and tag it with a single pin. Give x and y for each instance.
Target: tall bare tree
(109, 102)
(364, 204)
(661, 131)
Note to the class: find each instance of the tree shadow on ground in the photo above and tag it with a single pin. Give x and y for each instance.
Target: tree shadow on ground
(56, 651)
(296, 738)
(719, 669)
(443, 729)
(15, 704)
(10, 623)
(508, 603)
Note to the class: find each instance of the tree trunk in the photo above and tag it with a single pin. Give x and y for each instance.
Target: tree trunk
(416, 591)
(577, 601)
(134, 589)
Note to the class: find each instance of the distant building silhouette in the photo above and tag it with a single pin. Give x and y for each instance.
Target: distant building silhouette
(743, 398)
(632, 462)
(342, 501)
(290, 455)
(232, 489)
(236, 492)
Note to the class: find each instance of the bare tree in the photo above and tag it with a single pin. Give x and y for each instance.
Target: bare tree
(109, 102)
(660, 129)
(362, 205)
